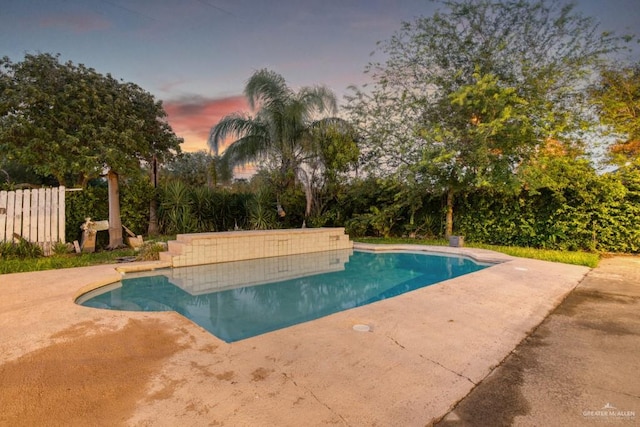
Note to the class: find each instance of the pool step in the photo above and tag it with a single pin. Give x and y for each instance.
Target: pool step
(207, 248)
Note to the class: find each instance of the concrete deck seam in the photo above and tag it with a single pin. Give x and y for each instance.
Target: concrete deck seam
(431, 360)
(308, 390)
(447, 369)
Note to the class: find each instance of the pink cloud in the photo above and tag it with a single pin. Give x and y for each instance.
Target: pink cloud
(76, 23)
(193, 118)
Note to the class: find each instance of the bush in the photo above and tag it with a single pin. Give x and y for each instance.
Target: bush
(23, 249)
(590, 213)
(135, 198)
(150, 251)
(92, 202)
(185, 209)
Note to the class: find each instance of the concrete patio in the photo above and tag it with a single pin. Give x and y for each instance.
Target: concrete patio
(64, 364)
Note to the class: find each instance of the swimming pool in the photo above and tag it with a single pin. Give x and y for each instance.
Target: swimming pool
(238, 300)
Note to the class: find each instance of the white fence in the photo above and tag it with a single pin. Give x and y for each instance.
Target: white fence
(35, 215)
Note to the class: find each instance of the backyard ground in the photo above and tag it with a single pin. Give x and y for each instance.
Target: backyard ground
(63, 364)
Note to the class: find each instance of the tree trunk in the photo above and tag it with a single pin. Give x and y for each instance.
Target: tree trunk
(449, 217)
(154, 228)
(115, 223)
(308, 193)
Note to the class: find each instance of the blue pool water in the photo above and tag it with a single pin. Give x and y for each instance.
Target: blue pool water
(242, 299)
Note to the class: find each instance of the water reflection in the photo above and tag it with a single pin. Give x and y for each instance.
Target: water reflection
(283, 291)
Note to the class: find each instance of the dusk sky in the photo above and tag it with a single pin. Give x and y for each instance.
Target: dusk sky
(196, 55)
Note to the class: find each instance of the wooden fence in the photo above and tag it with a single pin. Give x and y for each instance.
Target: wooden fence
(35, 215)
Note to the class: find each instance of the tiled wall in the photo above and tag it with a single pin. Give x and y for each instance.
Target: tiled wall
(202, 279)
(207, 248)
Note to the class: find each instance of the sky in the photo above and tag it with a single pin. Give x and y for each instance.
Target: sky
(197, 55)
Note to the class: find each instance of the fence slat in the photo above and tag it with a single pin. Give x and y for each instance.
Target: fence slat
(34, 216)
(3, 215)
(41, 215)
(53, 211)
(17, 215)
(11, 199)
(26, 215)
(47, 217)
(61, 214)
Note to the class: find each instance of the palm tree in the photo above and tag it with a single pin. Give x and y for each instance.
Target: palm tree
(281, 130)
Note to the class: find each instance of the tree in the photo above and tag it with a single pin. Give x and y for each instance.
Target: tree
(333, 153)
(281, 134)
(40, 126)
(199, 168)
(71, 122)
(469, 94)
(617, 98)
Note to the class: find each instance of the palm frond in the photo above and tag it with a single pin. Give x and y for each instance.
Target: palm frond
(318, 99)
(337, 123)
(266, 88)
(246, 150)
(236, 125)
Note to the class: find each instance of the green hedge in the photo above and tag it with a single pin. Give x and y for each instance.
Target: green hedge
(598, 213)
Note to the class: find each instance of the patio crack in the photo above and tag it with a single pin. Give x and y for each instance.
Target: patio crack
(448, 369)
(308, 390)
(432, 361)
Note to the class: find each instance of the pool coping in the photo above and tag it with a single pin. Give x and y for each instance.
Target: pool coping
(478, 255)
(120, 271)
(429, 347)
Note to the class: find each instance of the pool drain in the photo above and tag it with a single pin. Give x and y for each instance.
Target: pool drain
(362, 328)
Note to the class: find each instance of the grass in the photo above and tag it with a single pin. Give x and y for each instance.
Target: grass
(587, 259)
(63, 261)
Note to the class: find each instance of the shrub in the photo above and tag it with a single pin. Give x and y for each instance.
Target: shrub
(60, 248)
(92, 202)
(22, 249)
(150, 251)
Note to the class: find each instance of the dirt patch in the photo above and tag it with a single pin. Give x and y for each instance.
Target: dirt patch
(226, 376)
(95, 379)
(260, 374)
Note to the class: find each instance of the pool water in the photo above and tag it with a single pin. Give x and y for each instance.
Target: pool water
(282, 291)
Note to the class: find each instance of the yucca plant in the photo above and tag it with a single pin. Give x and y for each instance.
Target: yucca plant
(175, 209)
(262, 216)
(223, 210)
(203, 209)
(239, 212)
